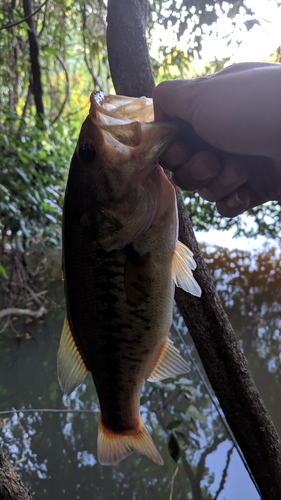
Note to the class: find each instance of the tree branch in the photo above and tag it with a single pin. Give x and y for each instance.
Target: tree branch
(11, 486)
(67, 86)
(8, 26)
(127, 50)
(15, 311)
(224, 473)
(35, 62)
(228, 372)
(214, 338)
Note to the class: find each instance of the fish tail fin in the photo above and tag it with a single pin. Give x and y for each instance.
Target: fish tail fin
(113, 447)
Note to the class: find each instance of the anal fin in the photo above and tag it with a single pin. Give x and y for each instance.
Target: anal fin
(71, 367)
(113, 447)
(183, 264)
(170, 363)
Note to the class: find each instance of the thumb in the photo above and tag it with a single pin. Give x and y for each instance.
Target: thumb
(173, 99)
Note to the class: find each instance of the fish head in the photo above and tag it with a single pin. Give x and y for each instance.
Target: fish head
(115, 162)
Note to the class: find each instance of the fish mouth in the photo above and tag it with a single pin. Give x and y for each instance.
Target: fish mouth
(127, 126)
(128, 109)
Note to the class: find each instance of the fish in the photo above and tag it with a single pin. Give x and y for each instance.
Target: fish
(121, 262)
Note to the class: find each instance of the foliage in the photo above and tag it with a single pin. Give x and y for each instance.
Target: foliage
(32, 177)
(3, 272)
(263, 220)
(189, 21)
(249, 285)
(35, 155)
(72, 55)
(72, 59)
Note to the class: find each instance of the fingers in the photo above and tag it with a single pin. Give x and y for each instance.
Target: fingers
(233, 175)
(173, 99)
(198, 172)
(229, 188)
(175, 156)
(216, 180)
(235, 204)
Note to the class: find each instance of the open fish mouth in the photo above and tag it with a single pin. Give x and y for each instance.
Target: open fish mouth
(129, 120)
(127, 108)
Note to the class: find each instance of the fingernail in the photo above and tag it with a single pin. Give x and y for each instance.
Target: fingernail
(200, 171)
(206, 194)
(234, 201)
(229, 176)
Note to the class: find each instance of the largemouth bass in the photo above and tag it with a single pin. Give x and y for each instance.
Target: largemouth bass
(121, 260)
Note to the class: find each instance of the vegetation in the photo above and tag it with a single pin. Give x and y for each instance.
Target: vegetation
(55, 452)
(50, 63)
(53, 55)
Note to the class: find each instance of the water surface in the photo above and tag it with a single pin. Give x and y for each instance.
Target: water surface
(51, 439)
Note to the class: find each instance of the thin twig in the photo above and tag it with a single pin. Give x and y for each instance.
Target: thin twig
(15, 311)
(89, 66)
(66, 90)
(224, 472)
(47, 410)
(8, 26)
(5, 326)
(34, 296)
(172, 483)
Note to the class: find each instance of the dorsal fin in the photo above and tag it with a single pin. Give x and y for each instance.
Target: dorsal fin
(71, 367)
(183, 264)
(169, 364)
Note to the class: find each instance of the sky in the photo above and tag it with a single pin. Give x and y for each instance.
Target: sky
(256, 44)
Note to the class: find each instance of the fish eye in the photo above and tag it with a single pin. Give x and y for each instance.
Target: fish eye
(87, 152)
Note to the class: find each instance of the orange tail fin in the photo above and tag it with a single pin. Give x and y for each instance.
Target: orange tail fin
(114, 447)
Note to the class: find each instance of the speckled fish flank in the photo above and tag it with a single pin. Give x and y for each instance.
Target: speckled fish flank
(121, 260)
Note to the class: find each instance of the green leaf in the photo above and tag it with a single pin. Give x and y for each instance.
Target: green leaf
(174, 447)
(3, 272)
(173, 424)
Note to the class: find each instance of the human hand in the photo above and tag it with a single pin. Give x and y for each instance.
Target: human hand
(230, 144)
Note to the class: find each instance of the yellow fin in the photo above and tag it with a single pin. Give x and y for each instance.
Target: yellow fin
(169, 364)
(71, 367)
(114, 447)
(183, 264)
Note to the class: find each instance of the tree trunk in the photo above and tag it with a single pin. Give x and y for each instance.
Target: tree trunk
(127, 50)
(205, 318)
(37, 88)
(11, 487)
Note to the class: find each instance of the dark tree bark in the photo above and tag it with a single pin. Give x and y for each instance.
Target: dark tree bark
(37, 88)
(205, 318)
(11, 487)
(127, 50)
(228, 373)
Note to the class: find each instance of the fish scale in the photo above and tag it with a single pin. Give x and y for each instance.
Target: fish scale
(102, 281)
(121, 260)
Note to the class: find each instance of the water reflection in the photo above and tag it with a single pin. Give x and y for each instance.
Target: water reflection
(55, 451)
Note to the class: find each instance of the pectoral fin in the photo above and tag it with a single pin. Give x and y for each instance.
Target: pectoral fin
(170, 363)
(183, 264)
(71, 367)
